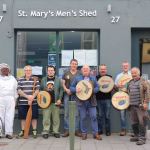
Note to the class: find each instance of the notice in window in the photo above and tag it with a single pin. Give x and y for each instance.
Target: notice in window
(91, 57)
(80, 56)
(20, 72)
(37, 70)
(67, 55)
(87, 56)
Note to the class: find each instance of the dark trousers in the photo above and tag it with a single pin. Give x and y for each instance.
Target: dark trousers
(103, 114)
(139, 121)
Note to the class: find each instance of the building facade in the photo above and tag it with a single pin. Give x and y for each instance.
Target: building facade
(43, 32)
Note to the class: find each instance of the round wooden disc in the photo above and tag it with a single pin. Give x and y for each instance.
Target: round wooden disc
(86, 90)
(43, 99)
(120, 100)
(124, 79)
(106, 84)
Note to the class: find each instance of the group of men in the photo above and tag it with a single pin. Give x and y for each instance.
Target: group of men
(97, 107)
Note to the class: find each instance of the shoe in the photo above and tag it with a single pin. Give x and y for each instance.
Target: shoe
(108, 133)
(132, 135)
(56, 135)
(97, 137)
(34, 133)
(140, 142)
(84, 136)
(45, 136)
(78, 134)
(66, 134)
(9, 136)
(100, 132)
(21, 133)
(123, 132)
(134, 139)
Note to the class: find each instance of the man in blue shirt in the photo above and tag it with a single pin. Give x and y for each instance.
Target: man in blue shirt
(88, 106)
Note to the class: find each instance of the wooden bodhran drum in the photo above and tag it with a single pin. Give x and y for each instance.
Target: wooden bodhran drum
(86, 90)
(43, 99)
(124, 79)
(106, 84)
(120, 100)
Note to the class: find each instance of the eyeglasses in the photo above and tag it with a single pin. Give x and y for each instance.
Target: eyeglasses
(28, 70)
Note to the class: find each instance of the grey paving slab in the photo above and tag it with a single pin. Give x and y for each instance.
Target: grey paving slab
(113, 142)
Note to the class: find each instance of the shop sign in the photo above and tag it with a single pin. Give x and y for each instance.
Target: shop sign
(57, 13)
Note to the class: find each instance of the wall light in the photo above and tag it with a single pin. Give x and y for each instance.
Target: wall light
(109, 9)
(4, 8)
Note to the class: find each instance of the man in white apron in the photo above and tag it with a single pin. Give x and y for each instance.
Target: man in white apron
(8, 95)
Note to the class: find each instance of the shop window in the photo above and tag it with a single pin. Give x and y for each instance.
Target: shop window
(32, 48)
(145, 57)
(43, 48)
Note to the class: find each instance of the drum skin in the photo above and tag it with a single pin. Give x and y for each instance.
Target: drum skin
(86, 90)
(106, 84)
(124, 79)
(120, 100)
(43, 99)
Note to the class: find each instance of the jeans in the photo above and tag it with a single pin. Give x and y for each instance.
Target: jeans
(66, 114)
(123, 119)
(86, 109)
(103, 114)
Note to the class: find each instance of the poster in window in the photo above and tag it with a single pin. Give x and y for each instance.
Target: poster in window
(92, 56)
(52, 59)
(80, 56)
(66, 56)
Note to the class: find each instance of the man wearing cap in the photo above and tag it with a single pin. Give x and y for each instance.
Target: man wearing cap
(103, 104)
(67, 79)
(138, 90)
(125, 68)
(28, 88)
(8, 96)
(52, 84)
(86, 106)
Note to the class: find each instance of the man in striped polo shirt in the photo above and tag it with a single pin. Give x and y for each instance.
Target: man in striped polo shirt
(28, 88)
(138, 90)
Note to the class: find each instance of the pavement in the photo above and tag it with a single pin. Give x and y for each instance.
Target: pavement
(113, 142)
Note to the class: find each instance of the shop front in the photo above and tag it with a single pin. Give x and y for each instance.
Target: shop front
(42, 33)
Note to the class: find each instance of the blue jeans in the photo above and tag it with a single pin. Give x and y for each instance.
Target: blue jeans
(123, 119)
(84, 110)
(66, 114)
(103, 114)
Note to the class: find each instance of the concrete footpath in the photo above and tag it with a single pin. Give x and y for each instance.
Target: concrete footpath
(113, 142)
